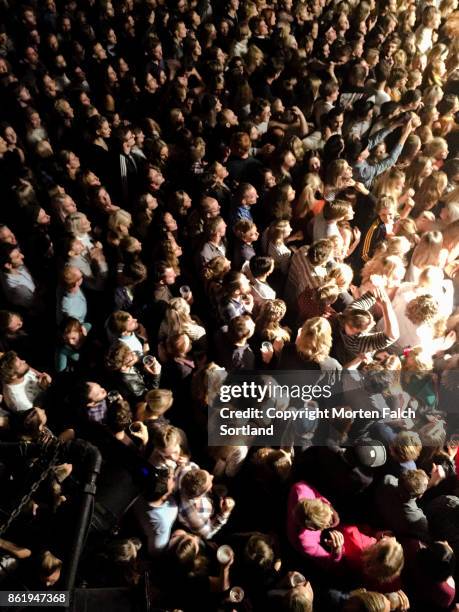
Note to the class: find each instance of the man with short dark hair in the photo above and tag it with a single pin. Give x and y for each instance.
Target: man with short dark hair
(17, 283)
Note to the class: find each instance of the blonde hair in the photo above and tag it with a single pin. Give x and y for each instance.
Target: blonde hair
(386, 184)
(396, 245)
(73, 222)
(433, 187)
(383, 560)
(178, 316)
(307, 197)
(386, 266)
(427, 252)
(422, 309)
(205, 385)
(342, 274)
(419, 361)
(49, 563)
(313, 514)
(277, 231)
(268, 321)
(435, 147)
(118, 218)
(406, 446)
(315, 339)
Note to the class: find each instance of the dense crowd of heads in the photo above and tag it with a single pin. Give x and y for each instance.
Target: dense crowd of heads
(190, 188)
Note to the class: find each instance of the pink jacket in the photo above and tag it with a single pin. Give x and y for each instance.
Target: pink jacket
(307, 541)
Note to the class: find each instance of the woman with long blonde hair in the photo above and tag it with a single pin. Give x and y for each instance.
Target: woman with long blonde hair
(430, 251)
(178, 320)
(311, 350)
(268, 323)
(432, 190)
(119, 224)
(307, 202)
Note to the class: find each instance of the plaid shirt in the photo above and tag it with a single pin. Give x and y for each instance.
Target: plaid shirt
(198, 516)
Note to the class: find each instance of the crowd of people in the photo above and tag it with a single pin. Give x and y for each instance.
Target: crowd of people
(192, 187)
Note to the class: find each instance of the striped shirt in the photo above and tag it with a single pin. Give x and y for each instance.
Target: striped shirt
(362, 342)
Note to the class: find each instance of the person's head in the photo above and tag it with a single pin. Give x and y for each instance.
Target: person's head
(215, 228)
(158, 402)
(342, 275)
(235, 284)
(77, 223)
(246, 231)
(413, 483)
(436, 149)
(337, 211)
(431, 17)
(7, 236)
(12, 367)
(165, 274)
(122, 323)
(320, 252)
(406, 446)
(240, 144)
(216, 268)
(314, 514)
(356, 321)
(315, 339)
(49, 569)
(418, 359)
(119, 416)
(161, 487)
(10, 322)
(72, 332)
(261, 267)
(299, 598)
(338, 171)
(11, 258)
(279, 231)
(383, 560)
(422, 310)
(362, 600)
(241, 328)
(168, 443)
(71, 278)
(246, 194)
(196, 483)
(386, 209)
(119, 222)
(120, 357)
(271, 314)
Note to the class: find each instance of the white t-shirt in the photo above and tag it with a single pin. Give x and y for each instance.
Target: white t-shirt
(23, 395)
(133, 343)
